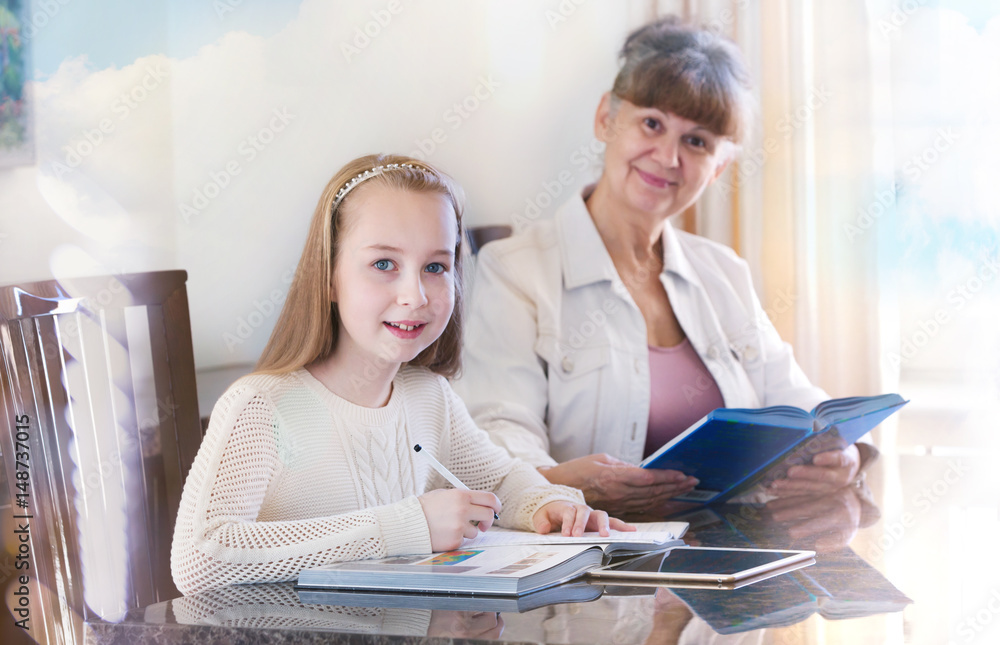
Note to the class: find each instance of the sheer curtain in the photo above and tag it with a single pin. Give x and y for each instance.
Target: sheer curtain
(804, 202)
(866, 205)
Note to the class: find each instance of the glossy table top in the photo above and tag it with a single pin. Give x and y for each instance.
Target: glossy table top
(857, 592)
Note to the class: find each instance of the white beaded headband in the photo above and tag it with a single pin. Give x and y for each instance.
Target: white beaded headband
(368, 174)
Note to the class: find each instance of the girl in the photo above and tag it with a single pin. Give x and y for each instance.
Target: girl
(309, 460)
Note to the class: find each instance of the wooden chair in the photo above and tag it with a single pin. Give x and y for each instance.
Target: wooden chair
(100, 410)
(480, 235)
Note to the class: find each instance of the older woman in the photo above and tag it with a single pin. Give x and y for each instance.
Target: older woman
(597, 336)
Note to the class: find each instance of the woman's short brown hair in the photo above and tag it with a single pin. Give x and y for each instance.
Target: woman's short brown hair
(307, 328)
(694, 73)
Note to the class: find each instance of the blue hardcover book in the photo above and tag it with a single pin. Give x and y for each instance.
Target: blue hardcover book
(733, 449)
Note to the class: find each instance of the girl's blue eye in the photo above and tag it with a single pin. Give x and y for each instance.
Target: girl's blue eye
(384, 265)
(697, 142)
(651, 123)
(436, 267)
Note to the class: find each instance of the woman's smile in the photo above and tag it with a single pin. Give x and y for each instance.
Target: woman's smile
(655, 180)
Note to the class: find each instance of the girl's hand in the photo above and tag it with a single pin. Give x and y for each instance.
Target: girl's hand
(454, 514)
(575, 519)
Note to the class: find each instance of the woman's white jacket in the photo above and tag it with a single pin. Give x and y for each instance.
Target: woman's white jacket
(556, 362)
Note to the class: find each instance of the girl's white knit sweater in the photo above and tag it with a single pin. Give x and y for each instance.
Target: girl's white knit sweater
(291, 476)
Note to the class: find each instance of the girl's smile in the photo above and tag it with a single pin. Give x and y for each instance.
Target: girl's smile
(405, 328)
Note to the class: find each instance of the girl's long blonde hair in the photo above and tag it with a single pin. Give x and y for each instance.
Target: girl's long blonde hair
(307, 327)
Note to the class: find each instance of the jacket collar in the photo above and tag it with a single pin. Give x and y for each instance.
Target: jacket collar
(675, 260)
(585, 259)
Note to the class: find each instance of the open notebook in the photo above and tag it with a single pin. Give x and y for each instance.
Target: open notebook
(498, 562)
(648, 536)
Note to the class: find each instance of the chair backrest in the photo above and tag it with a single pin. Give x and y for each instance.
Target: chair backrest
(99, 428)
(480, 235)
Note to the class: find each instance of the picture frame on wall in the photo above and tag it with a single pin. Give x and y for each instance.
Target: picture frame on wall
(16, 131)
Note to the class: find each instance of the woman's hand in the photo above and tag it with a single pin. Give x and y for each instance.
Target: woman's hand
(617, 487)
(575, 519)
(829, 471)
(824, 523)
(455, 514)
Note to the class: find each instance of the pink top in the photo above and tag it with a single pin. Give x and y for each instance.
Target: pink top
(681, 392)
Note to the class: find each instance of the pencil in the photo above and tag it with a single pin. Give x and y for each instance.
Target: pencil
(444, 472)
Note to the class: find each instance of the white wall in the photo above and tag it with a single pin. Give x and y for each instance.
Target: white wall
(128, 202)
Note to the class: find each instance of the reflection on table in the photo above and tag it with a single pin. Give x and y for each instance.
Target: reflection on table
(841, 585)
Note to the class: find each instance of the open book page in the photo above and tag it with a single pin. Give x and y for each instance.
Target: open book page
(852, 407)
(647, 535)
(513, 560)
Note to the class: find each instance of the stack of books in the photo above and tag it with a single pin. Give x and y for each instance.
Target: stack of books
(499, 562)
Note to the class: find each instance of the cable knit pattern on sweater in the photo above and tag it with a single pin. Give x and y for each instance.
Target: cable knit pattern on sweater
(291, 476)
